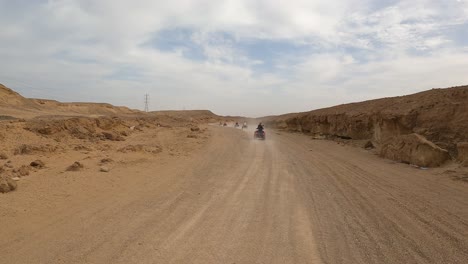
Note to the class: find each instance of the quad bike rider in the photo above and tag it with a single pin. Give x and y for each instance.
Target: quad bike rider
(259, 133)
(236, 125)
(244, 125)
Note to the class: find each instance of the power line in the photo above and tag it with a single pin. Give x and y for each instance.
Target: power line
(146, 102)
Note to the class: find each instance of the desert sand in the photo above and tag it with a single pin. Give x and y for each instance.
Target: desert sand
(94, 183)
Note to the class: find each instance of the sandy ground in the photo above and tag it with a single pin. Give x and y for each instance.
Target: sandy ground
(226, 198)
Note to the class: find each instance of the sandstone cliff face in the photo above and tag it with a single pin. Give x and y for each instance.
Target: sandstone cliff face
(439, 115)
(414, 149)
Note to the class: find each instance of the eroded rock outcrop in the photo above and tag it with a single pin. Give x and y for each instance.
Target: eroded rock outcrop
(105, 128)
(439, 115)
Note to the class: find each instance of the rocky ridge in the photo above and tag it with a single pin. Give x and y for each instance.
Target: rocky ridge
(438, 116)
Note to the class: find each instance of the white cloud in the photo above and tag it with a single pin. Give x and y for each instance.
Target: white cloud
(72, 50)
(396, 76)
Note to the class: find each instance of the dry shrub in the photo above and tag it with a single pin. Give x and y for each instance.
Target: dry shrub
(22, 171)
(34, 149)
(141, 148)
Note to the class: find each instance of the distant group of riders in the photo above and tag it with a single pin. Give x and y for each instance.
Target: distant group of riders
(258, 134)
(244, 125)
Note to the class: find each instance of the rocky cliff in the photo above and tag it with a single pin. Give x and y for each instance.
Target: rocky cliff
(438, 115)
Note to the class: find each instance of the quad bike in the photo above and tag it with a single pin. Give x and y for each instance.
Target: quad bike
(244, 126)
(259, 134)
(236, 125)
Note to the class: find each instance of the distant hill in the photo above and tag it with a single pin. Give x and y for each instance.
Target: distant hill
(191, 115)
(13, 104)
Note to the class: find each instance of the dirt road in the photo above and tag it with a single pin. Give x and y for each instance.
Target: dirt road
(288, 199)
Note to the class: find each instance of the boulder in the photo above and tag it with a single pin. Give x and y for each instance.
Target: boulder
(462, 149)
(414, 149)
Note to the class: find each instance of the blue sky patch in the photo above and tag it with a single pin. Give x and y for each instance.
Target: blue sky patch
(178, 39)
(458, 34)
(264, 54)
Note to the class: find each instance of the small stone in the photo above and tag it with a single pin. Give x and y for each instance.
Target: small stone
(104, 169)
(7, 185)
(75, 166)
(112, 136)
(81, 148)
(37, 164)
(106, 160)
(369, 145)
(16, 178)
(3, 156)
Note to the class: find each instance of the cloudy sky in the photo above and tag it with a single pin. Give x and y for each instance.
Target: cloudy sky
(238, 57)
